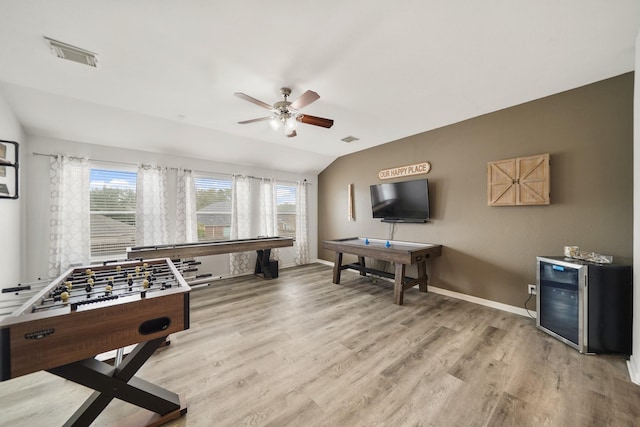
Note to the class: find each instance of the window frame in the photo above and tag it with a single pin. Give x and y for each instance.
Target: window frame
(111, 168)
(210, 236)
(281, 230)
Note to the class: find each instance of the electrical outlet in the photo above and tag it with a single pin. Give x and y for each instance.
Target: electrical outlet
(532, 289)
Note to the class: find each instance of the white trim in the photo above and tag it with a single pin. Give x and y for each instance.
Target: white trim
(470, 298)
(482, 301)
(633, 364)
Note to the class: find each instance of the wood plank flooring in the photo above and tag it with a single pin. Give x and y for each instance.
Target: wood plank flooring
(301, 351)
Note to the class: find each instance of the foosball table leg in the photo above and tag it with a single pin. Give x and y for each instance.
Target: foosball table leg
(119, 382)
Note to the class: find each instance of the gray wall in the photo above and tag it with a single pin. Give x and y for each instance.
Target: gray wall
(12, 249)
(489, 252)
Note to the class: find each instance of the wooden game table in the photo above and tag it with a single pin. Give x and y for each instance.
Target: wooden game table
(400, 253)
(262, 246)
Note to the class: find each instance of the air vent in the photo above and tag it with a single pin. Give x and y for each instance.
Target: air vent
(72, 53)
(350, 139)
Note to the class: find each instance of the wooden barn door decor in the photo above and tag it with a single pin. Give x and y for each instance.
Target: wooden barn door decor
(519, 181)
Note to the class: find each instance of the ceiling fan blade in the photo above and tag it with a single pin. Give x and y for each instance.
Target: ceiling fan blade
(253, 100)
(313, 120)
(292, 134)
(305, 99)
(261, 119)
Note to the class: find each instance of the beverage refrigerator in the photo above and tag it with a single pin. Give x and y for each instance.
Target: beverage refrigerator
(586, 305)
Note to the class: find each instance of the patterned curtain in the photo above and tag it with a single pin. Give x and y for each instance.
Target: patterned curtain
(186, 220)
(69, 223)
(240, 221)
(302, 234)
(269, 212)
(151, 206)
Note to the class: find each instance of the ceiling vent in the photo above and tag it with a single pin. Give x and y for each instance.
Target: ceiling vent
(72, 53)
(350, 139)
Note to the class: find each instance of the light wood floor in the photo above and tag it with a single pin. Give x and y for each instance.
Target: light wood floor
(301, 351)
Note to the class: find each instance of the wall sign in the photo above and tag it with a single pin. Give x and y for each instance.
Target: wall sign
(415, 169)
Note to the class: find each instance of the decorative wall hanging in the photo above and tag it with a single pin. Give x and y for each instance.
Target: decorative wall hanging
(350, 210)
(415, 169)
(9, 169)
(519, 181)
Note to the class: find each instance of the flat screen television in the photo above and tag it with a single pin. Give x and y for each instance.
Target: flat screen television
(406, 201)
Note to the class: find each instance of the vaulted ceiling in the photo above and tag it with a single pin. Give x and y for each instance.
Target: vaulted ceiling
(384, 69)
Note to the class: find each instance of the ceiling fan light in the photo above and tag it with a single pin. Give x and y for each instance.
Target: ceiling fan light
(290, 124)
(275, 123)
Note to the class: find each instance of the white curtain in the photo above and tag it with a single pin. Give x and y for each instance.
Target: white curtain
(302, 230)
(186, 220)
(268, 214)
(240, 222)
(151, 206)
(69, 223)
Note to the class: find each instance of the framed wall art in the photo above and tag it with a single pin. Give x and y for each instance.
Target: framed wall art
(9, 169)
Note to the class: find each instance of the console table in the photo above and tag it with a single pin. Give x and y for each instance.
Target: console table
(400, 253)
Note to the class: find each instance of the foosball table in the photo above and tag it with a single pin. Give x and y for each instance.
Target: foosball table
(92, 310)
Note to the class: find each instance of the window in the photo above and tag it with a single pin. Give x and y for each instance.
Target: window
(113, 212)
(213, 208)
(286, 205)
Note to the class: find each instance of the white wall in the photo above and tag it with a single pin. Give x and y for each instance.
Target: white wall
(634, 362)
(38, 206)
(12, 228)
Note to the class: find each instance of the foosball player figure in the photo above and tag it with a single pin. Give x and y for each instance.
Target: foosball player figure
(107, 290)
(64, 296)
(130, 283)
(89, 287)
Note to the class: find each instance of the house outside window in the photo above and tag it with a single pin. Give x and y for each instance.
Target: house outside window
(112, 212)
(213, 208)
(286, 205)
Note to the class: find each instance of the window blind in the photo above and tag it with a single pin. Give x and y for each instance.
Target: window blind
(113, 212)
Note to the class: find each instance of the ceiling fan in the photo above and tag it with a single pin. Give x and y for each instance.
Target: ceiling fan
(285, 114)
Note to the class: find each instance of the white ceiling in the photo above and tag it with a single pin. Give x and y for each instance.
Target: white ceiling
(384, 69)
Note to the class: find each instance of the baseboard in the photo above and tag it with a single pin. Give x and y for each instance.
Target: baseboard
(633, 364)
(469, 298)
(481, 301)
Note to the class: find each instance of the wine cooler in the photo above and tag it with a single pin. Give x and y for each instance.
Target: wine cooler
(586, 305)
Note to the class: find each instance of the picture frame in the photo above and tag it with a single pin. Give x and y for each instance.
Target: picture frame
(9, 173)
(3, 155)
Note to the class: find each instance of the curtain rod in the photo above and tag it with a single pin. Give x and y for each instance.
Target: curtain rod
(172, 168)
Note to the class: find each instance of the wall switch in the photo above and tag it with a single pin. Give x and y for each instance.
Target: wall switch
(532, 289)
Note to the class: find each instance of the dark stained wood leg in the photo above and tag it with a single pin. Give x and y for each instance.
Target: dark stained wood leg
(398, 291)
(119, 383)
(262, 263)
(361, 262)
(422, 275)
(337, 267)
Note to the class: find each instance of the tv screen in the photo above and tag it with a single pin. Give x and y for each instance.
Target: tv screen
(406, 201)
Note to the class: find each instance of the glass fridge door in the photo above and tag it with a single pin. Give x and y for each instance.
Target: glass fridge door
(559, 296)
